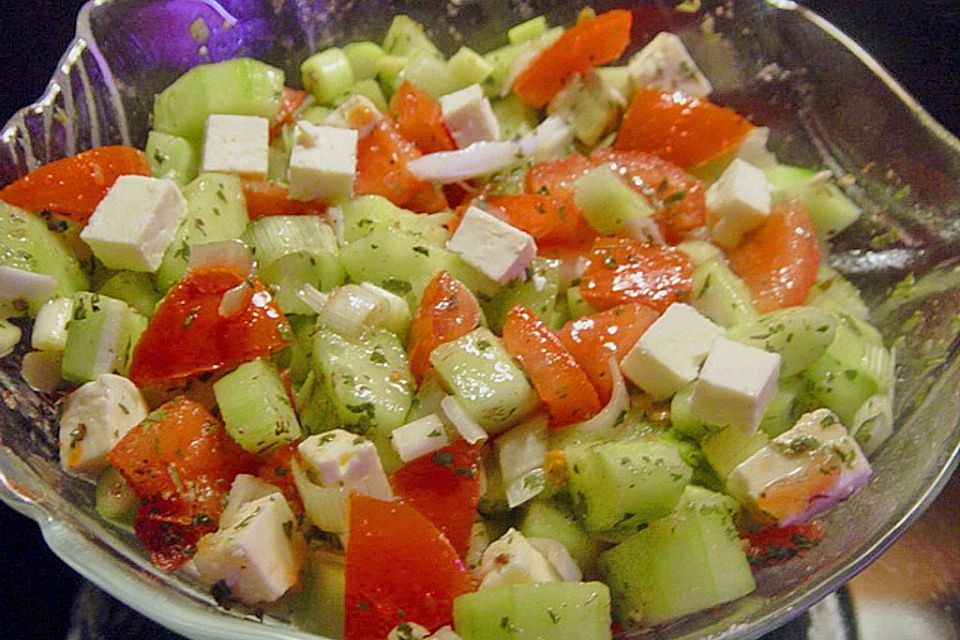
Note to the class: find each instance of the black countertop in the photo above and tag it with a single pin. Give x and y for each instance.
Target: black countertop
(918, 42)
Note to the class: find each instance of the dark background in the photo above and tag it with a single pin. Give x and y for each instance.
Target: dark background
(918, 42)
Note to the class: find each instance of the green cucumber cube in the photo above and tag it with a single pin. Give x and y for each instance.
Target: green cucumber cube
(545, 520)
(135, 288)
(830, 209)
(98, 338)
(256, 410)
(719, 294)
(172, 157)
(799, 334)
(318, 607)
(537, 293)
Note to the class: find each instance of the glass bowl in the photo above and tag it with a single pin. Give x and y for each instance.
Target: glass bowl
(829, 104)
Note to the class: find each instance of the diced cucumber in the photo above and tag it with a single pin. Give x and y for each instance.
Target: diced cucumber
(590, 106)
(390, 72)
(688, 561)
(537, 293)
(700, 251)
(216, 210)
(729, 447)
(830, 210)
(406, 37)
(172, 157)
(50, 326)
(427, 399)
(873, 422)
(799, 334)
(469, 67)
(371, 90)
(477, 369)
(493, 502)
(621, 486)
(566, 610)
(319, 608)
(692, 456)
(27, 243)
(242, 86)
(835, 293)
(98, 338)
(135, 288)
(577, 307)
(516, 118)
(300, 363)
(617, 78)
(327, 74)
(782, 413)
(681, 417)
(114, 498)
(367, 383)
(544, 520)
(529, 30)
(363, 57)
(504, 59)
(719, 294)
(255, 408)
(363, 214)
(431, 74)
(608, 204)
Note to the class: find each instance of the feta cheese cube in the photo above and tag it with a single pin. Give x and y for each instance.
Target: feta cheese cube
(666, 64)
(95, 417)
(323, 163)
(132, 226)
(736, 384)
(356, 112)
(803, 471)
(493, 247)
(669, 353)
(258, 555)
(469, 116)
(420, 437)
(245, 488)
(738, 202)
(467, 427)
(237, 144)
(344, 459)
(513, 560)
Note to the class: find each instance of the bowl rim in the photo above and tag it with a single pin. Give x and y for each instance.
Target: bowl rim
(92, 558)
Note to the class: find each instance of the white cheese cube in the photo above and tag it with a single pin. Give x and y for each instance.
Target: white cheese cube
(258, 555)
(558, 555)
(666, 64)
(236, 144)
(803, 471)
(738, 202)
(323, 163)
(493, 247)
(420, 437)
(132, 226)
(736, 384)
(356, 112)
(469, 116)
(467, 427)
(513, 560)
(95, 417)
(245, 488)
(344, 459)
(669, 353)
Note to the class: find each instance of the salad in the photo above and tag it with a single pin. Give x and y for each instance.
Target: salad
(536, 343)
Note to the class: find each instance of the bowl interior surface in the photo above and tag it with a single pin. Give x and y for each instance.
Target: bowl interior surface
(829, 105)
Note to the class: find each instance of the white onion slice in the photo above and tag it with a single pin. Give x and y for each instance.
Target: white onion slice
(18, 284)
(235, 299)
(479, 159)
(326, 507)
(313, 297)
(225, 253)
(644, 229)
(467, 427)
(9, 337)
(603, 424)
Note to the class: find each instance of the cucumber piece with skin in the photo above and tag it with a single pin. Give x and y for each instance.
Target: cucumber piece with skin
(363, 57)
(256, 411)
(578, 610)
(363, 214)
(172, 157)
(406, 37)
(799, 334)
(686, 562)
(114, 498)
(469, 67)
(242, 86)
(432, 75)
(832, 292)
(829, 208)
(719, 294)
(216, 210)
(135, 288)
(727, 448)
(327, 74)
(477, 369)
(782, 412)
(98, 338)
(515, 118)
(319, 608)
(577, 307)
(608, 204)
(545, 520)
(528, 30)
(537, 293)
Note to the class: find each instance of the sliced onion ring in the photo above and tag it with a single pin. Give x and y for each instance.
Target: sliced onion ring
(479, 159)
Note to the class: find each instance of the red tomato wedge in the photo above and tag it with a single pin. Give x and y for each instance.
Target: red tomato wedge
(445, 487)
(587, 45)
(400, 568)
(266, 198)
(556, 178)
(622, 271)
(420, 119)
(382, 157)
(560, 382)
(275, 469)
(448, 310)
(290, 103)
(550, 220)
(72, 188)
(683, 130)
(779, 260)
(187, 335)
(181, 460)
(592, 340)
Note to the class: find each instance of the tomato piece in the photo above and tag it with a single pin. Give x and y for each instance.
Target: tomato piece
(592, 340)
(187, 335)
(265, 198)
(275, 469)
(622, 271)
(550, 220)
(587, 45)
(399, 568)
(71, 188)
(382, 157)
(680, 199)
(683, 130)
(779, 261)
(290, 102)
(448, 310)
(420, 119)
(445, 487)
(182, 461)
(776, 545)
(556, 178)
(560, 382)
